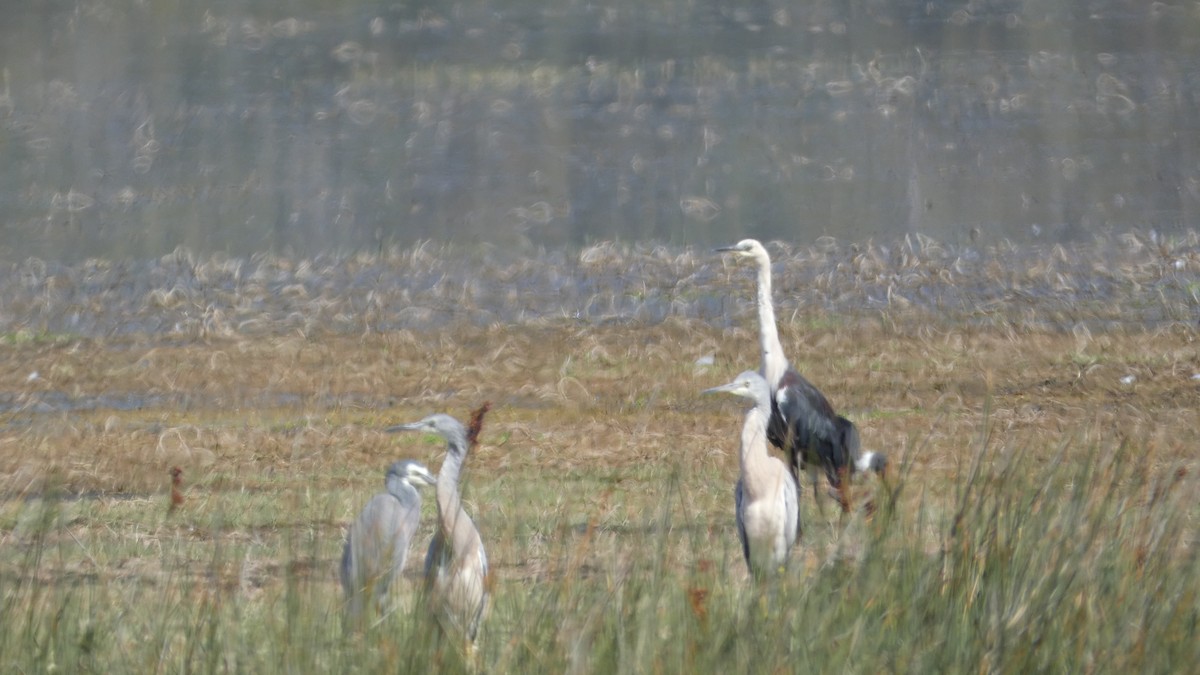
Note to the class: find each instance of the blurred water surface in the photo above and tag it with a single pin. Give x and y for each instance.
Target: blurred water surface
(306, 127)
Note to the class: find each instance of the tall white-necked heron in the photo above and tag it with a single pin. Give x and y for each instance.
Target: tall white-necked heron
(765, 497)
(456, 568)
(803, 423)
(377, 544)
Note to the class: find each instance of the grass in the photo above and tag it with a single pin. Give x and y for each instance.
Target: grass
(1041, 515)
(25, 337)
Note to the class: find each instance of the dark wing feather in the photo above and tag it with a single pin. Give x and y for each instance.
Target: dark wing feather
(837, 454)
(802, 422)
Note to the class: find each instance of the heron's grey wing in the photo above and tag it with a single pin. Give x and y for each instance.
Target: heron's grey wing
(352, 582)
(408, 520)
(739, 506)
(384, 525)
(367, 557)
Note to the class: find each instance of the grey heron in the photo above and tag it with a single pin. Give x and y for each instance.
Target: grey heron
(378, 540)
(803, 423)
(765, 497)
(456, 567)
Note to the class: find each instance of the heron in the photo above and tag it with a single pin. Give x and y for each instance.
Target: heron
(456, 567)
(803, 423)
(378, 540)
(766, 497)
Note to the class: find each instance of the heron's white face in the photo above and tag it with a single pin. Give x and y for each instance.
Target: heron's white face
(435, 424)
(411, 472)
(747, 385)
(747, 248)
(418, 475)
(443, 425)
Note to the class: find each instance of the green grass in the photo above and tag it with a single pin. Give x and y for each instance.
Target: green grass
(24, 337)
(1029, 562)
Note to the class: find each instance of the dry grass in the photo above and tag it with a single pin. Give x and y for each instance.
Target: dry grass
(565, 395)
(598, 463)
(268, 414)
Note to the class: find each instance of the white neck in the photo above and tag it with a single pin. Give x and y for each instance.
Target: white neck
(456, 524)
(774, 363)
(753, 456)
(447, 483)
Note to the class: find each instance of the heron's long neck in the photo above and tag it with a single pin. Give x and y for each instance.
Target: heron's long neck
(774, 363)
(403, 490)
(456, 524)
(400, 489)
(753, 456)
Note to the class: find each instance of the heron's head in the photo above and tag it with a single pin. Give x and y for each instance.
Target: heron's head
(748, 248)
(411, 472)
(749, 385)
(443, 425)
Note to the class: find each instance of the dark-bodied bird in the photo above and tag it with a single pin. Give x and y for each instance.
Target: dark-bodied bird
(378, 541)
(456, 567)
(766, 496)
(803, 423)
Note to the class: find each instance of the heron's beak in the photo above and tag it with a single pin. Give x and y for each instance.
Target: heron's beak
(726, 249)
(723, 389)
(411, 426)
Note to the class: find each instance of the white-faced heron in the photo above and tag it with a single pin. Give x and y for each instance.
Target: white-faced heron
(765, 497)
(803, 423)
(456, 567)
(378, 541)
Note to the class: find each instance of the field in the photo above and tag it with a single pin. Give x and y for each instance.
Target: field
(1040, 514)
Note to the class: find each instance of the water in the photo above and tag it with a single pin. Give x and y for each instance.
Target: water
(307, 127)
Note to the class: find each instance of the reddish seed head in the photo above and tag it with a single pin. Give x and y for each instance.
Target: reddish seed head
(476, 424)
(697, 598)
(176, 483)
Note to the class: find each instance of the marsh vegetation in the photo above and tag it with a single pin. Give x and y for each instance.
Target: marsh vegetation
(1042, 514)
